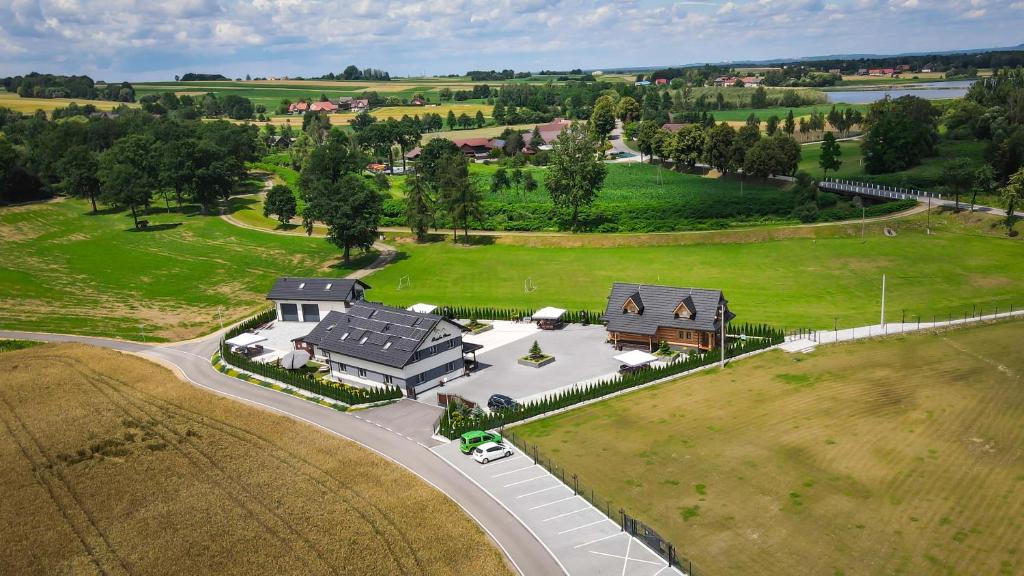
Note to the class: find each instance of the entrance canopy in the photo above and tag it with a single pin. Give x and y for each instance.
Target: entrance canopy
(245, 339)
(548, 313)
(422, 308)
(635, 358)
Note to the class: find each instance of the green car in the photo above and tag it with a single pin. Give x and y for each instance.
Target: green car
(472, 439)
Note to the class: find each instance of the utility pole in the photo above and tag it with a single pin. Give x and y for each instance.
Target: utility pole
(929, 228)
(863, 223)
(883, 299)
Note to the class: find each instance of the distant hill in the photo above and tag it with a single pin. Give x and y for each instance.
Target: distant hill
(193, 77)
(804, 59)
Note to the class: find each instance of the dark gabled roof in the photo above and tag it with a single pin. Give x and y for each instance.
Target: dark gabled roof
(637, 299)
(659, 304)
(376, 333)
(315, 289)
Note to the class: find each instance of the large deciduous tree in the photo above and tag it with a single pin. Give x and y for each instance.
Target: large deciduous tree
(719, 151)
(900, 133)
(280, 201)
(349, 207)
(77, 171)
(602, 118)
(457, 194)
(125, 174)
(576, 173)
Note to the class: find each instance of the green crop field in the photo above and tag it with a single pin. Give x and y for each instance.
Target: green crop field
(828, 274)
(64, 270)
(893, 456)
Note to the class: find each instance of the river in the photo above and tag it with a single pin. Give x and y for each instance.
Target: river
(928, 91)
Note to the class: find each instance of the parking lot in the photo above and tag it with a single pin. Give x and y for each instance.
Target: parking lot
(583, 539)
(580, 352)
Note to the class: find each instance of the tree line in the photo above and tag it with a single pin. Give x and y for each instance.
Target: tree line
(36, 85)
(209, 105)
(128, 161)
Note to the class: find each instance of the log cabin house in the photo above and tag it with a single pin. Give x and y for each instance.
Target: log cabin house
(643, 315)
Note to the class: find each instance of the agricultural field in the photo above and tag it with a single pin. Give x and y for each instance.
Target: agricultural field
(891, 456)
(14, 102)
(65, 270)
(810, 276)
(396, 112)
(113, 465)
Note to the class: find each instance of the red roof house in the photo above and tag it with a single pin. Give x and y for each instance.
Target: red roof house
(661, 81)
(298, 107)
(328, 107)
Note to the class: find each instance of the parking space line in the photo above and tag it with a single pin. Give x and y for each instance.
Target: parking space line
(566, 514)
(559, 485)
(544, 475)
(503, 461)
(514, 471)
(627, 558)
(581, 527)
(555, 502)
(660, 571)
(599, 540)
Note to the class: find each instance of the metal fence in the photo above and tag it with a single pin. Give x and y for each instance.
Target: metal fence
(626, 521)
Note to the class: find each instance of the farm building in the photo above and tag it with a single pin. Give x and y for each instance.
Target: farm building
(298, 107)
(345, 102)
(310, 299)
(672, 127)
(326, 106)
(373, 344)
(643, 316)
(361, 105)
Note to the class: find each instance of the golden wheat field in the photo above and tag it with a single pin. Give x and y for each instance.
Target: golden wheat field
(111, 465)
(899, 456)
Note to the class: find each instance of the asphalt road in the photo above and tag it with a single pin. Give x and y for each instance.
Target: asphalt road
(191, 361)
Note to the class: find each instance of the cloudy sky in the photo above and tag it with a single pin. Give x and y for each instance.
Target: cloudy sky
(156, 39)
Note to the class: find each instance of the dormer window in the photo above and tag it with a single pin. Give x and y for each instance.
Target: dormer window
(685, 309)
(633, 305)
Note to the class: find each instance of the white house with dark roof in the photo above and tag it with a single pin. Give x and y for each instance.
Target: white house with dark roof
(644, 315)
(373, 344)
(311, 299)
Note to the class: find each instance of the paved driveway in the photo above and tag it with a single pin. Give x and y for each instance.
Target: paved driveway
(580, 354)
(582, 539)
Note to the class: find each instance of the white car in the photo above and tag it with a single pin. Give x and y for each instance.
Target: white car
(485, 453)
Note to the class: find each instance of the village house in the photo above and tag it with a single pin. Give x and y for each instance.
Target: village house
(310, 299)
(672, 127)
(298, 107)
(373, 344)
(345, 103)
(643, 316)
(361, 105)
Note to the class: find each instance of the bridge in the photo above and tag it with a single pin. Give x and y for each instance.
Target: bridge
(877, 190)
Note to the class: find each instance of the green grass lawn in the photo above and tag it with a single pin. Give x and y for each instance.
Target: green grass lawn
(926, 176)
(895, 456)
(801, 282)
(64, 270)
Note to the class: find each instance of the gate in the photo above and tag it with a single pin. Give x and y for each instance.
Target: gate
(655, 542)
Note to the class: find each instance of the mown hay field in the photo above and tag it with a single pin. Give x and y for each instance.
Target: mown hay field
(898, 456)
(30, 105)
(111, 465)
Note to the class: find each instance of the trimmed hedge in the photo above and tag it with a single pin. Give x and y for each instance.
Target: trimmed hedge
(489, 313)
(454, 423)
(350, 395)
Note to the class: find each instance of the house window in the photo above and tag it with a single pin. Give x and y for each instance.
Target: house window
(289, 313)
(387, 379)
(310, 313)
(449, 367)
(362, 372)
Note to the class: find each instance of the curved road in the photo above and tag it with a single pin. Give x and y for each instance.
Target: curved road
(191, 361)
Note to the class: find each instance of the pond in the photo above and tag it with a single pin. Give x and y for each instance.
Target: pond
(928, 91)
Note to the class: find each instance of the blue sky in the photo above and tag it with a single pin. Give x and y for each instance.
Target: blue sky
(154, 40)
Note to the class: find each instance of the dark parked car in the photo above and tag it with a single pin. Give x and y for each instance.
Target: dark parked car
(501, 402)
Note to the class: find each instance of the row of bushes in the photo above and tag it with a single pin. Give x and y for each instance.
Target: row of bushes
(456, 422)
(489, 313)
(335, 391)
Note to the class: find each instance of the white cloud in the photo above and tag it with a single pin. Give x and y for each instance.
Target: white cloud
(141, 38)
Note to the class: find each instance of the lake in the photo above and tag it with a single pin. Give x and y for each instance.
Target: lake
(928, 91)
